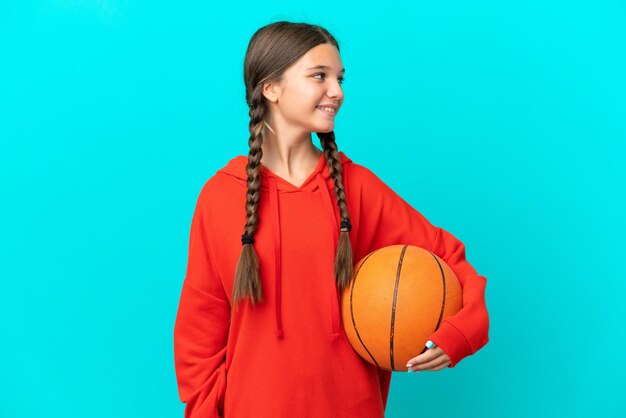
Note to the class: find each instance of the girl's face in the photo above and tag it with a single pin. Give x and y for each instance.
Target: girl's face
(294, 102)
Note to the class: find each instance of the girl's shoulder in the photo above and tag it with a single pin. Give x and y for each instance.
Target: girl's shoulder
(361, 176)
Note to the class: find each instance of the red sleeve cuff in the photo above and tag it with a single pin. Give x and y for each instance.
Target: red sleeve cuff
(452, 342)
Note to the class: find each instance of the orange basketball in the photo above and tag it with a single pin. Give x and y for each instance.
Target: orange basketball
(397, 298)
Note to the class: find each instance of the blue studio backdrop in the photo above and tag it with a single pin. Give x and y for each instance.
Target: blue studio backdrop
(503, 122)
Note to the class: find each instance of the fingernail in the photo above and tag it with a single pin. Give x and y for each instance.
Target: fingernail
(429, 344)
(409, 365)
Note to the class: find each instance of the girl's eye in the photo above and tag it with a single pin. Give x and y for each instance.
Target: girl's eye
(340, 78)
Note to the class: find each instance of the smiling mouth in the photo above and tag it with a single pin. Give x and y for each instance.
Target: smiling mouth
(327, 110)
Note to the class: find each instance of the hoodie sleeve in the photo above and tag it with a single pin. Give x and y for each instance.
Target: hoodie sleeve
(387, 219)
(201, 328)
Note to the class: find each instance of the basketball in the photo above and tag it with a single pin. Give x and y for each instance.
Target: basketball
(397, 298)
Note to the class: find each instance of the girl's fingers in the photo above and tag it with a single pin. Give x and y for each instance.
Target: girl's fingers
(425, 357)
(443, 366)
(433, 363)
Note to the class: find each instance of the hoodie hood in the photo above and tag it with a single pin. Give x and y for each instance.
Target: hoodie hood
(319, 182)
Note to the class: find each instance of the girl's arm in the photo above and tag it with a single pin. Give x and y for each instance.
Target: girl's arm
(201, 328)
(387, 219)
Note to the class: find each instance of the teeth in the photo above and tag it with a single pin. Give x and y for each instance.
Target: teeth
(329, 109)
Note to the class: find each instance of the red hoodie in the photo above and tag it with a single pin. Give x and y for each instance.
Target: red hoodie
(289, 356)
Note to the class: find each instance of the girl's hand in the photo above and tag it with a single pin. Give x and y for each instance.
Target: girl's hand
(432, 359)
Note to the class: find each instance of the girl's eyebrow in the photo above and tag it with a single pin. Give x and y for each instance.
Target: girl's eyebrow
(343, 70)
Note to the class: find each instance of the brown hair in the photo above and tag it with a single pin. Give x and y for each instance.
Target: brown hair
(272, 49)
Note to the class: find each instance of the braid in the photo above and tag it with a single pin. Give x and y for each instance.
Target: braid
(247, 280)
(343, 257)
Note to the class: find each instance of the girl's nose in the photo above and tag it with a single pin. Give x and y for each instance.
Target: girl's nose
(335, 92)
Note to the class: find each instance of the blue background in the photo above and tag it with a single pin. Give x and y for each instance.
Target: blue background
(502, 122)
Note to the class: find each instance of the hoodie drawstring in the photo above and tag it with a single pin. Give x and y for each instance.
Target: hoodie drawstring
(275, 215)
(334, 232)
(335, 326)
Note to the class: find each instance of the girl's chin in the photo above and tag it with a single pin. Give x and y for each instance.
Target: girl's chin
(324, 130)
(325, 120)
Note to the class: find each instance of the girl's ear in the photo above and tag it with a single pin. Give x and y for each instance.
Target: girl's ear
(271, 91)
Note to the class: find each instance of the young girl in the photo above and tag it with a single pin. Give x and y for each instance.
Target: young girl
(258, 331)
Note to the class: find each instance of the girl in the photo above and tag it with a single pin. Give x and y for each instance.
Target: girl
(258, 331)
